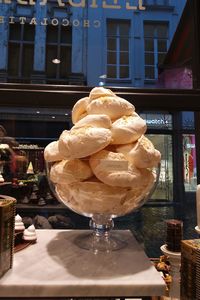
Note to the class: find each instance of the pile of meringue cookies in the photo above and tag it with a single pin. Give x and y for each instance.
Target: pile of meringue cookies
(104, 163)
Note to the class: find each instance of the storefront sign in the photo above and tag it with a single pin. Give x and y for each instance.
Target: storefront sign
(68, 21)
(158, 120)
(54, 22)
(114, 4)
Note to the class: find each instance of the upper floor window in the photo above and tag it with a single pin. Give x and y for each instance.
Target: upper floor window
(155, 48)
(118, 49)
(156, 2)
(20, 52)
(58, 52)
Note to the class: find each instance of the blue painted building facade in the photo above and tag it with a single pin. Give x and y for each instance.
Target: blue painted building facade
(92, 42)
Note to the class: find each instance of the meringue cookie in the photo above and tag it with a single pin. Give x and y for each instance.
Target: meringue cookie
(63, 192)
(113, 106)
(83, 141)
(95, 197)
(125, 149)
(114, 170)
(19, 225)
(128, 129)
(99, 92)
(94, 121)
(30, 234)
(64, 195)
(79, 109)
(52, 153)
(136, 197)
(142, 153)
(69, 171)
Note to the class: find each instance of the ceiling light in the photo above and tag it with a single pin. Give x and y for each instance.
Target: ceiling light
(103, 76)
(56, 61)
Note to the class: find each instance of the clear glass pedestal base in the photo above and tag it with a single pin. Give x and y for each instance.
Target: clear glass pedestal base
(102, 238)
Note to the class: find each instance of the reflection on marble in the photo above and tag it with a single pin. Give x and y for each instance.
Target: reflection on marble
(55, 266)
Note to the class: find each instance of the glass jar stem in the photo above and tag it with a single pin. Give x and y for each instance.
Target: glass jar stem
(101, 225)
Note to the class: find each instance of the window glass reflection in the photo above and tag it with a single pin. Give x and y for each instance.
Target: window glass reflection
(144, 43)
(189, 158)
(156, 40)
(164, 189)
(188, 120)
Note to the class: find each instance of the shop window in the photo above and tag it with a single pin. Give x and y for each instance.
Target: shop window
(189, 159)
(161, 125)
(118, 49)
(164, 189)
(155, 48)
(58, 52)
(21, 51)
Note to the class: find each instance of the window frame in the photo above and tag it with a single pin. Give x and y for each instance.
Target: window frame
(118, 50)
(21, 43)
(155, 51)
(58, 45)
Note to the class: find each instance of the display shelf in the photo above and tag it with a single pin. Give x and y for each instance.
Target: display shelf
(28, 149)
(5, 183)
(47, 207)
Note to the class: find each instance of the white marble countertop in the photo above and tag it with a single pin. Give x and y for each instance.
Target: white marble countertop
(56, 267)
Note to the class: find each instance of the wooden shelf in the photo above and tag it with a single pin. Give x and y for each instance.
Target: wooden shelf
(28, 149)
(36, 208)
(5, 183)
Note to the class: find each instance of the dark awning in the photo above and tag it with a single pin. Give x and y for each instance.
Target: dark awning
(180, 50)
